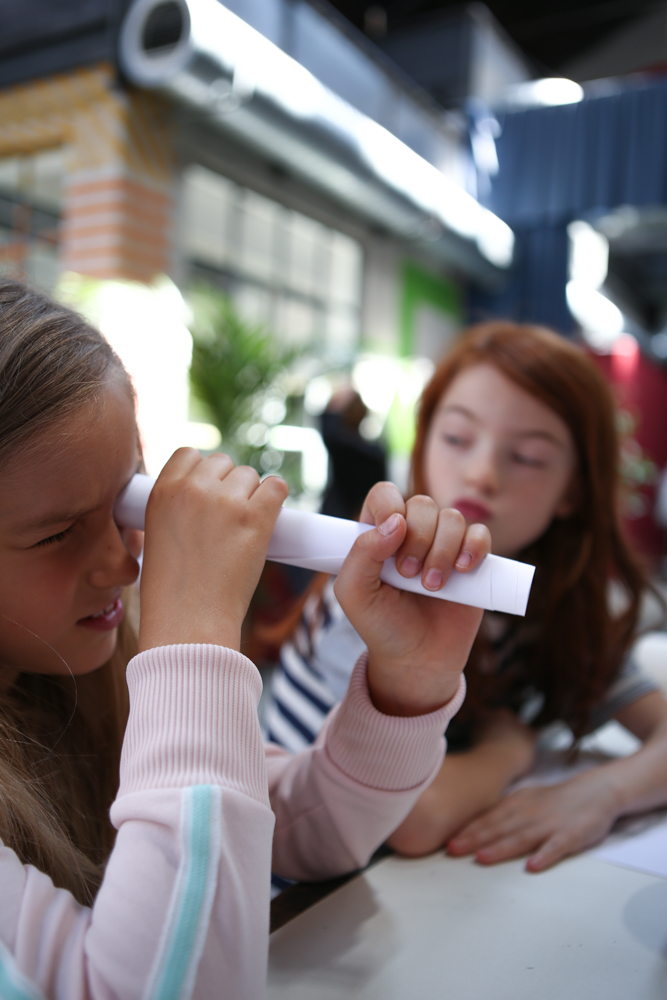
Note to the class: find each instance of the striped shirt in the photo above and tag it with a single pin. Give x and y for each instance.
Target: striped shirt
(315, 667)
(313, 672)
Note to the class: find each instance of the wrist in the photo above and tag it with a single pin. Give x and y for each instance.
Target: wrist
(184, 629)
(511, 760)
(405, 696)
(617, 795)
(513, 745)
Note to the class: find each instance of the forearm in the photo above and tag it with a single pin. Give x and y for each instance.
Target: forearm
(336, 802)
(639, 782)
(466, 785)
(190, 870)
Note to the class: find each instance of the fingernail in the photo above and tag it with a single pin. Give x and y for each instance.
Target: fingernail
(464, 560)
(389, 526)
(410, 566)
(433, 579)
(457, 847)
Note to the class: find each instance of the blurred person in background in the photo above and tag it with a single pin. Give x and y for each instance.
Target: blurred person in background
(355, 464)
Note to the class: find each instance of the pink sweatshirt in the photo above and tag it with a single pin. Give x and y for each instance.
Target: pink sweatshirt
(204, 812)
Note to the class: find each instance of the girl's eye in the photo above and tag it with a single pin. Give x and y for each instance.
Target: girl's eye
(454, 439)
(59, 537)
(534, 463)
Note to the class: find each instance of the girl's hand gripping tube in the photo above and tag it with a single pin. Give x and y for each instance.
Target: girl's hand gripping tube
(321, 543)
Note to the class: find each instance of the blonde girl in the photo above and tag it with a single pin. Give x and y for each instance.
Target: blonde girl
(140, 812)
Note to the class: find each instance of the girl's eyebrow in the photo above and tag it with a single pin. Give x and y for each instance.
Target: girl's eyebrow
(457, 408)
(56, 517)
(544, 435)
(61, 517)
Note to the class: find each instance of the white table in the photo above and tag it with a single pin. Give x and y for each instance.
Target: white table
(443, 928)
(449, 929)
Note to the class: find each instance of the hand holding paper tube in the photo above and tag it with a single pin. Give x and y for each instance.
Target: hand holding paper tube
(321, 543)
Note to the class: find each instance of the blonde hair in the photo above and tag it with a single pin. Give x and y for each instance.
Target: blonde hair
(60, 737)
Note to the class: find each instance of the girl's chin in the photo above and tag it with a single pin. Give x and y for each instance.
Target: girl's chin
(91, 659)
(75, 659)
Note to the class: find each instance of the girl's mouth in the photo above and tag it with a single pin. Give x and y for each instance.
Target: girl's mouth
(107, 619)
(472, 511)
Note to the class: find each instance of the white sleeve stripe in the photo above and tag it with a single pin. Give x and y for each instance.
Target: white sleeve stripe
(13, 984)
(184, 934)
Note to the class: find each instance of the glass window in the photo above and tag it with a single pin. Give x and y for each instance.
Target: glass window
(207, 208)
(30, 207)
(299, 277)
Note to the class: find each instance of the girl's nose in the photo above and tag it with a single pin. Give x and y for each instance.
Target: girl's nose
(483, 471)
(115, 560)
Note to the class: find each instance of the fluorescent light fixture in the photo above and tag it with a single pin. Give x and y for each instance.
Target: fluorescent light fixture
(318, 393)
(601, 321)
(314, 455)
(589, 255)
(550, 91)
(257, 66)
(379, 380)
(376, 379)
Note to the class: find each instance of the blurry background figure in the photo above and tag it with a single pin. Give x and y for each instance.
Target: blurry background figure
(355, 464)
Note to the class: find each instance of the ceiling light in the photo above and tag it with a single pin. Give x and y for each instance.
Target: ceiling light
(601, 321)
(547, 92)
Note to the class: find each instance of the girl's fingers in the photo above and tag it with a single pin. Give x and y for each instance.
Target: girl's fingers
(434, 540)
(360, 574)
(187, 462)
(451, 550)
(514, 846)
(475, 547)
(479, 834)
(422, 524)
(241, 485)
(449, 537)
(555, 849)
(271, 493)
(216, 478)
(383, 500)
(181, 463)
(384, 507)
(240, 481)
(217, 465)
(501, 821)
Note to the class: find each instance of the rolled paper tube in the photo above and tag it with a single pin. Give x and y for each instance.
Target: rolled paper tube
(321, 543)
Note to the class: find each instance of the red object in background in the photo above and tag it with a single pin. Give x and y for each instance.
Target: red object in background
(640, 386)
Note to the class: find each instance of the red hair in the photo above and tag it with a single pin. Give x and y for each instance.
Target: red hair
(570, 647)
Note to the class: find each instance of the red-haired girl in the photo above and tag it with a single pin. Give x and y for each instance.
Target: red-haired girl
(517, 431)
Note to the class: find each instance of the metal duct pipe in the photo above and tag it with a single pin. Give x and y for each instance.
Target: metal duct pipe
(206, 57)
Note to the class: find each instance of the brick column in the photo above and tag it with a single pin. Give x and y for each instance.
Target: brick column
(118, 213)
(116, 226)
(117, 219)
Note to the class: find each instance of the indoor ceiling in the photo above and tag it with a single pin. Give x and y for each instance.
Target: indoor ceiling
(549, 33)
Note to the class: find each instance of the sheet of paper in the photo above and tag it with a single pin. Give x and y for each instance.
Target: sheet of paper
(321, 543)
(645, 851)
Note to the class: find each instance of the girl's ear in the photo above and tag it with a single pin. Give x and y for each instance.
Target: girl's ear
(569, 501)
